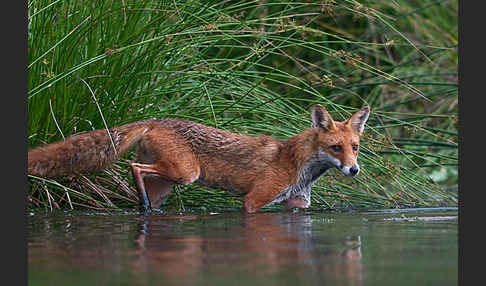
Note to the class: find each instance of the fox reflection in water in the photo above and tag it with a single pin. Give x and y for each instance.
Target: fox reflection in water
(265, 245)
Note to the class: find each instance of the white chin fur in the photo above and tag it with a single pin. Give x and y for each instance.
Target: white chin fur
(346, 171)
(326, 157)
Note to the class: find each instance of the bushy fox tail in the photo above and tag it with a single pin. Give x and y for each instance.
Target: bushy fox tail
(84, 152)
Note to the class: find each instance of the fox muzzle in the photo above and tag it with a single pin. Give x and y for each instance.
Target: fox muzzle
(349, 171)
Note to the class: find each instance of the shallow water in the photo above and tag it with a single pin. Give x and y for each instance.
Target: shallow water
(387, 247)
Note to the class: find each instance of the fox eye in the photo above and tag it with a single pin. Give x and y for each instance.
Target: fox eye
(355, 147)
(336, 148)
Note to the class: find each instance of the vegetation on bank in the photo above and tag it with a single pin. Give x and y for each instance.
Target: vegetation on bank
(253, 67)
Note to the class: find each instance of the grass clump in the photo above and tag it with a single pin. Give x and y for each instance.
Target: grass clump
(253, 68)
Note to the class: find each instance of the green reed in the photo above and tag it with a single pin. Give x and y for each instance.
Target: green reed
(255, 68)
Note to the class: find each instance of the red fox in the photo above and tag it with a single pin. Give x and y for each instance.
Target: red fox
(175, 151)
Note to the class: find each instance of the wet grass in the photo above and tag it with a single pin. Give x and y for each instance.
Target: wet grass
(254, 68)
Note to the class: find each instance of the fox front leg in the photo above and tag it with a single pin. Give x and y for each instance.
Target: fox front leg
(296, 202)
(301, 200)
(263, 193)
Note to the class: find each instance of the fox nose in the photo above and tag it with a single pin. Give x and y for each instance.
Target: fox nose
(354, 170)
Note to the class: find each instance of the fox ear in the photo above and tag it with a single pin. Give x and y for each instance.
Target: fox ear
(358, 120)
(321, 118)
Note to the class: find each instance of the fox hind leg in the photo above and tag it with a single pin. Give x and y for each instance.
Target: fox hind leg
(166, 162)
(138, 178)
(158, 190)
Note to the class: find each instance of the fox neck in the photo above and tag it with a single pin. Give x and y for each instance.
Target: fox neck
(309, 161)
(306, 155)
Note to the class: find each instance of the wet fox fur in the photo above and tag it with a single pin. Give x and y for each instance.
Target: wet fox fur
(174, 151)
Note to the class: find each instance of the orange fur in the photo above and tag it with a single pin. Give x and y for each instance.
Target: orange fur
(174, 151)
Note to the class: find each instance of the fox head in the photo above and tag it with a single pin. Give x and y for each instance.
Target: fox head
(338, 142)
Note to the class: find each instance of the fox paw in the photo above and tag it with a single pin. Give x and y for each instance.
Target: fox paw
(296, 202)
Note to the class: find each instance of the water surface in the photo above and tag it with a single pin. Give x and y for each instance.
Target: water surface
(412, 247)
